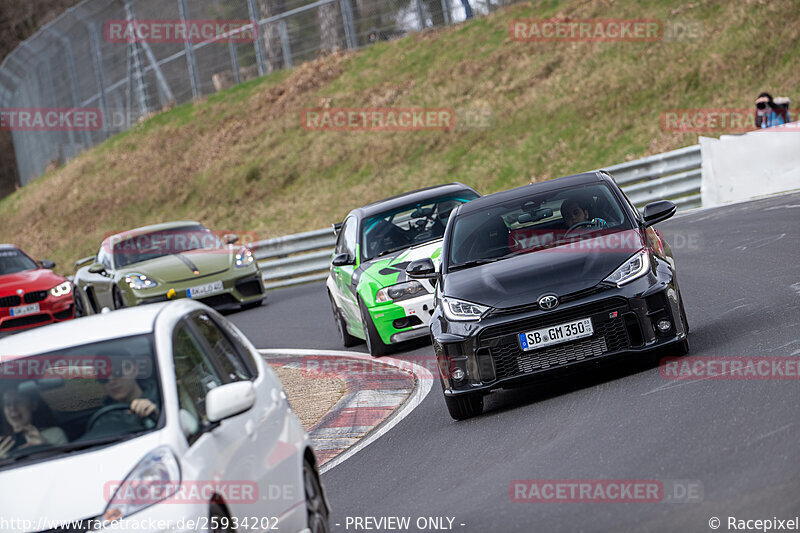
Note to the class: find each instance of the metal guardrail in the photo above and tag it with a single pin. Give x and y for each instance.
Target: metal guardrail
(305, 257)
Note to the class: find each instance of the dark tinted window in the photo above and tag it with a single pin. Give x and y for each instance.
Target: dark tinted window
(226, 359)
(13, 261)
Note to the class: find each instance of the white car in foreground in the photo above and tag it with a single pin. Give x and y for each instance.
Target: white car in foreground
(157, 418)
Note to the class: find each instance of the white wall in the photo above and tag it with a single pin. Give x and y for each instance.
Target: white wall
(738, 167)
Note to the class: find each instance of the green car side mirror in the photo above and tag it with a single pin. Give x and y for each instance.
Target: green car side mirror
(97, 268)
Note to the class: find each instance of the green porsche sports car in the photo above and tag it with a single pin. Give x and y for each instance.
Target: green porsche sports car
(167, 261)
(372, 298)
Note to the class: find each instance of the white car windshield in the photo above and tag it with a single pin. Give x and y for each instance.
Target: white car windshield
(56, 402)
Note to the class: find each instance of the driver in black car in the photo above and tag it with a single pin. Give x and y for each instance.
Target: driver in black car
(575, 212)
(122, 387)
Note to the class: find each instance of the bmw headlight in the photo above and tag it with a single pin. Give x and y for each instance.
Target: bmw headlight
(401, 291)
(139, 281)
(61, 290)
(635, 267)
(244, 257)
(459, 310)
(156, 478)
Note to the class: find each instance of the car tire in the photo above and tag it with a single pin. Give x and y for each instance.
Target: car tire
(217, 516)
(116, 295)
(375, 345)
(464, 407)
(316, 509)
(347, 340)
(77, 301)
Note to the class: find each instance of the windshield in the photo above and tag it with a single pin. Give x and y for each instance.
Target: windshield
(134, 249)
(533, 223)
(13, 261)
(409, 225)
(73, 398)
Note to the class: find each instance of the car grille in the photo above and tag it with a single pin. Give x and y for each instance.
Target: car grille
(25, 321)
(10, 301)
(33, 297)
(610, 335)
(218, 300)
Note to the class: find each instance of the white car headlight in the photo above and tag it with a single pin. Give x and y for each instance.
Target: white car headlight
(156, 478)
(139, 281)
(459, 310)
(61, 290)
(400, 291)
(635, 267)
(244, 257)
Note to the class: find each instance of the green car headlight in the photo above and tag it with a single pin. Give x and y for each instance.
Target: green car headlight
(139, 281)
(244, 257)
(399, 292)
(61, 290)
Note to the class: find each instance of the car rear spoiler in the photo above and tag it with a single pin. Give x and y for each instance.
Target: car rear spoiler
(337, 227)
(81, 262)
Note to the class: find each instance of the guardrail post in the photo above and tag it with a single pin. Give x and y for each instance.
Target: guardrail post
(287, 51)
(347, 22)
(234, 61)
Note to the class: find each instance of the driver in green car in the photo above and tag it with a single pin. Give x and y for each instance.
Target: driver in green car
(576, 212)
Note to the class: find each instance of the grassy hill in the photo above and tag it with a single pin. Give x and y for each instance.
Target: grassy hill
(239, 160)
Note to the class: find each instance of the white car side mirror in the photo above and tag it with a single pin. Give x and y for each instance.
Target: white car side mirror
(229, 399)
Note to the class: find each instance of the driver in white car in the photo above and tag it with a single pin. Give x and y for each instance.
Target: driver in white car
(123, 387)
(575, 212)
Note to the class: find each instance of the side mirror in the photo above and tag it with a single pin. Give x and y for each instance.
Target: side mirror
(80, 262)
(230, 238)
(97, 268)
(46, 263)
(230, 399)
(342, 260)
(656, 212)
(421, 269)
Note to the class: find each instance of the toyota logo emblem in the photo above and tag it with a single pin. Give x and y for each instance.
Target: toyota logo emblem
(548, 301)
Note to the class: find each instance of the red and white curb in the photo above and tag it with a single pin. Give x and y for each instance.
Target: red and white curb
(374, 402)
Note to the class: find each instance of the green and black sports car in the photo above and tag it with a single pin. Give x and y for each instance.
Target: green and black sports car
(371, 296)
(167, 261)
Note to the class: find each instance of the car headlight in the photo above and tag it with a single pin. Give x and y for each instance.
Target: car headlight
(156, 478)
(244, 257)
(139, 281)
(61, 290)
(460, 310)
(635, 267)
(401, 291)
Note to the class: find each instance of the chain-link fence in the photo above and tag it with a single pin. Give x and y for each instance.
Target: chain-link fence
(119, 60)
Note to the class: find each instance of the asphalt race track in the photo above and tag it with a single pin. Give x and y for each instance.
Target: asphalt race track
(738, 440)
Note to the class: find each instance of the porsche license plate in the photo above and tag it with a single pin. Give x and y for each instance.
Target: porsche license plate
(202, 291)
(540, 338)
(25, 310)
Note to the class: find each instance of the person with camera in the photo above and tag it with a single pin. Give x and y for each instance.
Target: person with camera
(768, 113)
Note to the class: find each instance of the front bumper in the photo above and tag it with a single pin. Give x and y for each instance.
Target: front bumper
(490, 356)
(51, 309)
(246, 289)
(404, 320)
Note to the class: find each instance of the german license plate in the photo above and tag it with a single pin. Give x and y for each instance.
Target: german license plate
(540, 338)
(204, 290)
(25, 310)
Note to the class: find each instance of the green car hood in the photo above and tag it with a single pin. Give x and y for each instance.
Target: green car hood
(390, 269)
(175, 268)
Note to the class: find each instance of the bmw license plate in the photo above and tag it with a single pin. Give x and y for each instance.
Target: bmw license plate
(204, 290)
(540, 338)
(25, 310)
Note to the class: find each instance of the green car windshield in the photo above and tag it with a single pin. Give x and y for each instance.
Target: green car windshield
(409, 225)
(137, 248)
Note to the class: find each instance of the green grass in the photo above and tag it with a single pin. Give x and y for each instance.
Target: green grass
(239, 160)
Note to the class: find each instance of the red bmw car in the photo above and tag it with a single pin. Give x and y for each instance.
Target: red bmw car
(30, 293)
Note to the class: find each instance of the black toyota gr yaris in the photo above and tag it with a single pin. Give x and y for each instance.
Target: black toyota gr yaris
(546, 278)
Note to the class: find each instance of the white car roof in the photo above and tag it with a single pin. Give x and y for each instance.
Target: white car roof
(121, 323)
